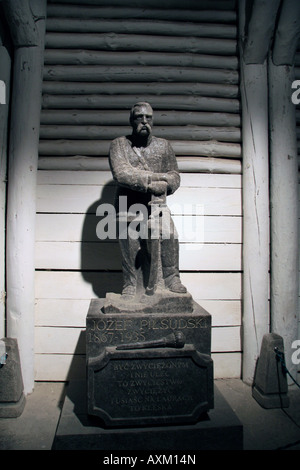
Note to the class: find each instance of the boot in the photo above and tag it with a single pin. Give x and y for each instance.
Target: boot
(170, 263)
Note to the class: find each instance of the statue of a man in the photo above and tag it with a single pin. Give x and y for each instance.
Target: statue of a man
(145, 168)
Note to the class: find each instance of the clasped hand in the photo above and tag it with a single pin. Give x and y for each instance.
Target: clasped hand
(159, 184)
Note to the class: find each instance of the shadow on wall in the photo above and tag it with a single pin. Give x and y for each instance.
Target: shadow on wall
(100, 267)
(100, 259)
(74, 395)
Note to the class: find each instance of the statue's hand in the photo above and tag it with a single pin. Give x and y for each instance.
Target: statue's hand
(159, 177)
(158, 187)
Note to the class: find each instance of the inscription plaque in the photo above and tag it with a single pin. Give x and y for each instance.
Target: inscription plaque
(142, 387)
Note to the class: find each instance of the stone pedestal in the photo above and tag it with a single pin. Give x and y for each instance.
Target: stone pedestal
(12, 399)
(270, 388)
(220, 429)
(149, 383)
(146, 367)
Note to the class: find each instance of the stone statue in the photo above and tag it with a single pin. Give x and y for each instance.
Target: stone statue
(154, 324)
(146, 171)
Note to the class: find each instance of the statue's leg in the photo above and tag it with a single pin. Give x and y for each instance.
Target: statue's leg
(129, 249)
(170, 261)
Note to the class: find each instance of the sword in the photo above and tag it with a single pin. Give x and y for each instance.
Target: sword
(156, 203)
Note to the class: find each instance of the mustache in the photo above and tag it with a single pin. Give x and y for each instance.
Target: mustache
(141, 126)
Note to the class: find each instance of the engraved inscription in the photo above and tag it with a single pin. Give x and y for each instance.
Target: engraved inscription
(112, 331)
(150, 385)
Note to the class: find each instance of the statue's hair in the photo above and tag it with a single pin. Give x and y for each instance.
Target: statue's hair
(137, 105)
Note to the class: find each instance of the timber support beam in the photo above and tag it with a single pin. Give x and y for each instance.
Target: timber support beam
(267, 59)
(259, 30)
(254, 97)
(22, 172)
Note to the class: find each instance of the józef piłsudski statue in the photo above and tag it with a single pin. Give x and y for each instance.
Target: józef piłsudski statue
(145, 170)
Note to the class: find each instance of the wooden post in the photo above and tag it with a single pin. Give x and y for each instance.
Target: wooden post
(254, 95)
(284, 209)
(5, 67)
(21, 197)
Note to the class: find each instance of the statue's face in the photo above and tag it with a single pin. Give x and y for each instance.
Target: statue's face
(142, 121)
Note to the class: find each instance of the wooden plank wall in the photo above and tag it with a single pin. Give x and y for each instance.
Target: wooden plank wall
(100, 59)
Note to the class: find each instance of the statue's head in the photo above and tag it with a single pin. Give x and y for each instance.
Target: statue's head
(141, 119)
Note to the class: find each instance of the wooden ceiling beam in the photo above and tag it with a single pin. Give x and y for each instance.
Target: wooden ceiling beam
(260, 30)
(287, 33)
(21, 22)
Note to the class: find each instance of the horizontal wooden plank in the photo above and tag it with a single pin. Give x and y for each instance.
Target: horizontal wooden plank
(138, 42)
(75, 177)
(120, 117)
(210, 257)
(217, 90)
(88, 11)
(138, 73)
(188, 4)
(223, 134)
(107, 256)
(186, 164)
(61, 312)
(63, 367)
(169, 102)
(72, 312)
(82, 228)
(227, 365)
(212, 165)
(75, 255)
(145, 26)
(59, 340)
(88, 285)
(104, 177)
(226, 339)
(49, 340)
(223, 312)
(88, 57)
(210, 180)
(98, 148)
(186, 200)
(59, 367)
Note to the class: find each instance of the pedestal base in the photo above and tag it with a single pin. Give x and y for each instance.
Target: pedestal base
(12, 409)
(218, 430)
(12, 399)
(270, 400)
